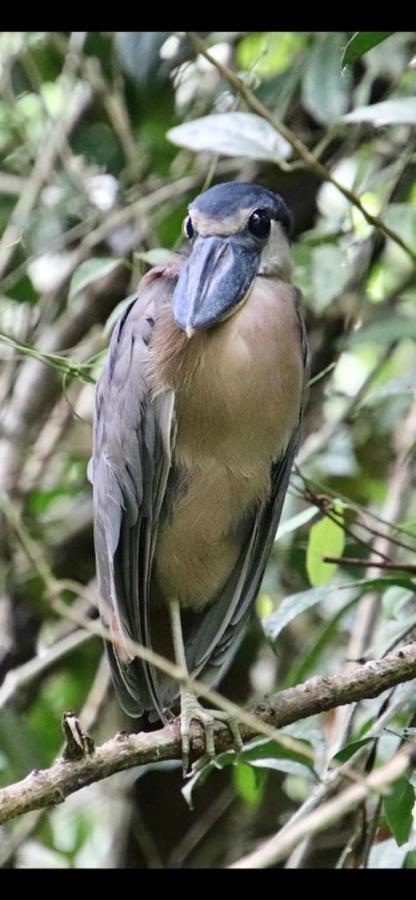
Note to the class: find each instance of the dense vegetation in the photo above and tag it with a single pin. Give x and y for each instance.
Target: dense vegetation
(104, 139)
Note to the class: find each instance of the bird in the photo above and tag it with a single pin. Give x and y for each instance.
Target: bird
(198, 418)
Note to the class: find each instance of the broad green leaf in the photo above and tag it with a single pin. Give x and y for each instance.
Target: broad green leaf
(295, 522)
(259, 750)
(268, 53)
(398, 111)
(40, 500)
(360, 43)
(401, 217)
(326, 538)
(330, 274)
(89, 271)
(397, 387)
(232, 134)
(325, 89)
(395, 600)
(348, 751)
(295, 604)
(261, 753)
(385, 331)
(289, 766)
(308, 662)
(247, 783)
(398, 807)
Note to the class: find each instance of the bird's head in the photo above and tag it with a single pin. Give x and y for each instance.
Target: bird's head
(237, 231)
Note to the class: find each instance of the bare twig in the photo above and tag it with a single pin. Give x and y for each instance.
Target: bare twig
(375, 564)
(280, 845)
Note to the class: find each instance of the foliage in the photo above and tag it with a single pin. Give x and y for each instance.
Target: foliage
(104, 139)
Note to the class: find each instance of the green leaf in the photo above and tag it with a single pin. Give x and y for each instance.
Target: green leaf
(288, 766)
(398, 111)
(401, 217)
(396, 387)
(330, 273)
(360, 43)
(295, 604)
(232, 134)
(265, 752)
(348, 751)
(261, 753)
(385, 331)
(326, 538)
(308, 661)
(89, 271)
(398, 807)
(410, 860)
(247, 783)
(296, 522)
(269, 52)
(158, 256)
(325, 89)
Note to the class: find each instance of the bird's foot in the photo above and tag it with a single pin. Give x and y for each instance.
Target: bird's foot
(191, 710)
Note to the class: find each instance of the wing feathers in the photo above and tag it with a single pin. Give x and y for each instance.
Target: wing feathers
(131, 462)
(134, 438)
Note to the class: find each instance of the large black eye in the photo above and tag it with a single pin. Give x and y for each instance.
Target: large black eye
(188, 228)
(259, 223)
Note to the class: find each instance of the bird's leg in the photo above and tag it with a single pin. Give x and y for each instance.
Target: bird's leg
(190, 705)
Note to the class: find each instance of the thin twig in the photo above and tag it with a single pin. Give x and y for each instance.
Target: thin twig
(17, 678)
(375, 564)
(280, 845)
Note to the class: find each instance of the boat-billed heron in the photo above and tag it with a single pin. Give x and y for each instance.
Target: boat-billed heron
(197, 421)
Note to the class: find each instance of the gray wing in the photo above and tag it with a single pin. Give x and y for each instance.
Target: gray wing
(213, 639)
(131, 459)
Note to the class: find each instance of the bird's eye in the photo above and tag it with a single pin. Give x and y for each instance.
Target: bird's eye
(188, 228)
(259, 223)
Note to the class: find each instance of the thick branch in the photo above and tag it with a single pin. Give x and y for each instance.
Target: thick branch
(50, 786)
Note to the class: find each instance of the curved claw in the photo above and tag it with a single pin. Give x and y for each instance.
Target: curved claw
(191, 710)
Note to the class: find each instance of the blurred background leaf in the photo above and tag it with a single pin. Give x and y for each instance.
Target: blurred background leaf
(105, 138)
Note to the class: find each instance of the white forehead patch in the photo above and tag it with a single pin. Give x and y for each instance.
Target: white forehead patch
(228, 225)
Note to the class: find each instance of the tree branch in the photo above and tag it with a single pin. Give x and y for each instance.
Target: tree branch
(310, 160)
(362, 681)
